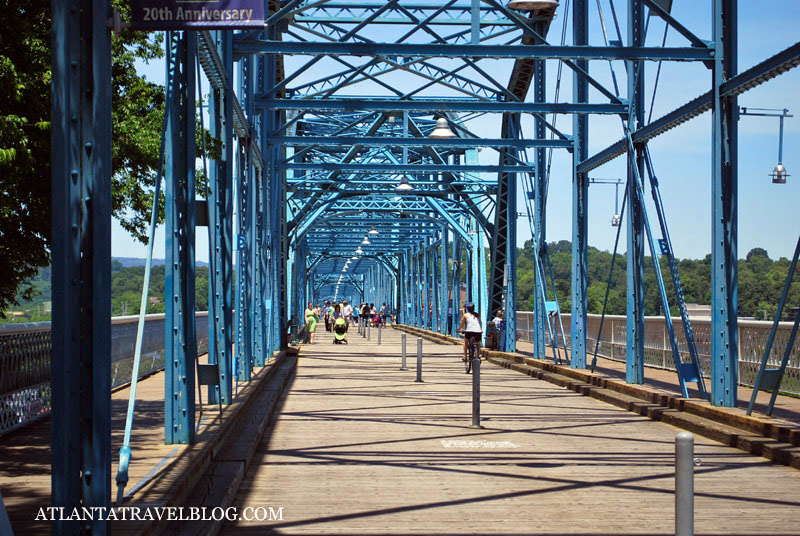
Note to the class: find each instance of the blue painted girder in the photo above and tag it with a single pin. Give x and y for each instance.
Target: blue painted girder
(550, 52)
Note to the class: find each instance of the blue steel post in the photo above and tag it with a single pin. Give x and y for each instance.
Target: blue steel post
(580, 193)
(540, 204)
(724, 210)
(220, 325)
(458, 255)
(510, 268)
(241, 254)
(634, 372)
(180, 340)
(81, 257)
(444, 292)
(426, 289)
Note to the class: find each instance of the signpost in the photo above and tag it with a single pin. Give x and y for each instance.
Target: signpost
(194, 14)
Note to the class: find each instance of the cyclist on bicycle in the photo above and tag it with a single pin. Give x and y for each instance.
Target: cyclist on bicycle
(471, 328)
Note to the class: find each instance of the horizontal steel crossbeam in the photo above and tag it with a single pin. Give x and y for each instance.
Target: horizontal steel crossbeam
(417, 142)
(407, 168)
(447, 50)
(440, 105)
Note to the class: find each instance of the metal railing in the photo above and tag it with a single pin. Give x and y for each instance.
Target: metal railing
(25, 362)
(753, 336)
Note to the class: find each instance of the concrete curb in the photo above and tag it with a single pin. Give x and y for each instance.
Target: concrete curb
(764, 436)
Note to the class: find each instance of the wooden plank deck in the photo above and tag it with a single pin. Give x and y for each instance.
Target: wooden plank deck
(25, 454)
(360, 448)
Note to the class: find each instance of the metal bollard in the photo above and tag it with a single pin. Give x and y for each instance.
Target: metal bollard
(684, 484)
(380, 329)
(369, 333)
(419, 359)
(476, 393)
(403, 350)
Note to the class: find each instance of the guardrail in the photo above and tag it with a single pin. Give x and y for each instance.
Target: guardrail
(25, 362)
(753, 336)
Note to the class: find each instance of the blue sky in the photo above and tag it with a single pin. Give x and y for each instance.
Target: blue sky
(768, 213)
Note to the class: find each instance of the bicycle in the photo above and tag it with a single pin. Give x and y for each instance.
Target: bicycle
(473, 350)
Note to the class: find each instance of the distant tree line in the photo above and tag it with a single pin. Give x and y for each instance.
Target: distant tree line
(761, 281)
(126, 293)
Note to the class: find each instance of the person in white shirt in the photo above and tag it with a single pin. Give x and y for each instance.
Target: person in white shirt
(470, 327)
(348, 313)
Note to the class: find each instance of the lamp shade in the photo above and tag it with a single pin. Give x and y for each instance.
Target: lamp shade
(779, 174)
(530, 5)
(442, 130)
(404, 185)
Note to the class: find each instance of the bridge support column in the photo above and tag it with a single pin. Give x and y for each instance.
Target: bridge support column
(635, 212)
(81, 260)
(444, 301)
(724, 210)
(504, 238)
(220, 322)
(540, 209)
(580, 194)
(180, 341)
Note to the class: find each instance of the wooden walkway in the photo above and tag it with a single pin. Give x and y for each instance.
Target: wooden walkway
(25, 454)
(360, 448)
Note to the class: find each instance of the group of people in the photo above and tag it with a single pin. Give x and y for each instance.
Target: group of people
(329, 312)
(373, 315)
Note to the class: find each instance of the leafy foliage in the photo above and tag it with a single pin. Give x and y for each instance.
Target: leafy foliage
(24, 145)
(25, 171)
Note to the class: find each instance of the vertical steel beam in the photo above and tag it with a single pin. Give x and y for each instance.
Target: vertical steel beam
(540, 206)
(580, 193)
(81, 258)
(724, 210)
(240, 349)
(504, 221)
(444, 291)
(634, 372)
(220, 326)
(458, 255)
(180, 338)
(510, 268)
(426, 286)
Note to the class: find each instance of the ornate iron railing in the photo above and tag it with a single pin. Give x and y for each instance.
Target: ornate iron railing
(25, 362)
(753, 336)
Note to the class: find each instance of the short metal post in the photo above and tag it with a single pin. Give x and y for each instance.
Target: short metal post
(684, 484)
(369, 333)
(419, 359)
(403, 351)
(380, 330)
(476, 393)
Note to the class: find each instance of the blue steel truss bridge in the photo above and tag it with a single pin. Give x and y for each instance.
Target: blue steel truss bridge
(380, 152)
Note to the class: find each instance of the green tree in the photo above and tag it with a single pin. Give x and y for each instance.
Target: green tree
(25, 76)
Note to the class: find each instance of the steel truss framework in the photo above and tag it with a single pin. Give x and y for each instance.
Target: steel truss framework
(308, 168)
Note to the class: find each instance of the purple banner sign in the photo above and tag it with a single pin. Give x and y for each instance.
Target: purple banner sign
(196, 14)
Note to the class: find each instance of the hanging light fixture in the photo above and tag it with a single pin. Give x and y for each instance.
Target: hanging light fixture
(530, 5)
(404, 185)
(359, 251)
(615, 220)
(373, 231)
(442, 130)
(779, 174)
(366, 241)
(353, 257)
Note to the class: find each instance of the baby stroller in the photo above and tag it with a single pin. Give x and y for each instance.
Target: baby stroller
(340, 331)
